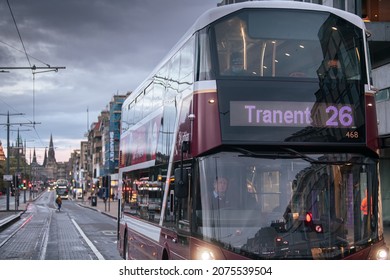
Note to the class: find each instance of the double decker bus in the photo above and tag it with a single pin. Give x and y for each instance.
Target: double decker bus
(277, 99)
(62, 188)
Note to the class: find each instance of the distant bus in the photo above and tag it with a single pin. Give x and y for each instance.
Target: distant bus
(275, 97)
(62, 188)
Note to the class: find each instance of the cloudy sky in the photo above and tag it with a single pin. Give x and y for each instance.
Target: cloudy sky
(108, 47)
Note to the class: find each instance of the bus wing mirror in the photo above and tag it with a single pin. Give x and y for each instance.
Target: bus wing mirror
(181, 183)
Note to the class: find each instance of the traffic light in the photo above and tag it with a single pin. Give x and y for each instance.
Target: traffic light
(108, 180)
(16, 181)
(106, 185)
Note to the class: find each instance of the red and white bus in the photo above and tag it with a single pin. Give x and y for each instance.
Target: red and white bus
(285, 112)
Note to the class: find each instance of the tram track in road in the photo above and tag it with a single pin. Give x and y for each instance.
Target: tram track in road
(28, 240)
(27, 214)
(8, 238)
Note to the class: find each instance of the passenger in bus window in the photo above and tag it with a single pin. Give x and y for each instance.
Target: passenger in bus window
(333, 70)
(357, 220)
(219, 197)
(364, 209)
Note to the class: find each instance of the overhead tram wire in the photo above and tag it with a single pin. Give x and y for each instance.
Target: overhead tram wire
(30, 56)
(17, 29)
(39, 137)
(32, 67)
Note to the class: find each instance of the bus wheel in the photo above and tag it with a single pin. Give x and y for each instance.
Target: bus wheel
(125, 257)
(165, 255)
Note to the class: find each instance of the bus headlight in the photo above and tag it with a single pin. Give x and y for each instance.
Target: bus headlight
(204, 254)
(382, 254)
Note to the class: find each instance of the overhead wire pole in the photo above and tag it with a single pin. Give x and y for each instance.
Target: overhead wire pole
(17, 173)
(33, 68)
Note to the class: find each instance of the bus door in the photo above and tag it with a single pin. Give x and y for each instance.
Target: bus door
(177, 220)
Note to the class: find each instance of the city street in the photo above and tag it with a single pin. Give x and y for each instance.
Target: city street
(79, 232)
(74, 233)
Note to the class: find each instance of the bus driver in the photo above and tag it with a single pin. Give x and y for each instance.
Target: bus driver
(219, 198)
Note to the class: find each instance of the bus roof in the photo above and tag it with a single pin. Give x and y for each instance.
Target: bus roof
(213, 14)
(216, 13)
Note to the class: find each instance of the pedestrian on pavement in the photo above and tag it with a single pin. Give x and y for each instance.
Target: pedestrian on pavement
(59, 202)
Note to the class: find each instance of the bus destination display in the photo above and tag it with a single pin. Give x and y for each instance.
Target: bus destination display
(291, 114)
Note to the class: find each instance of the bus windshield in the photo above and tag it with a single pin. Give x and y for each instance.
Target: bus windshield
(302, 45)
(286, 204)
(63, 192)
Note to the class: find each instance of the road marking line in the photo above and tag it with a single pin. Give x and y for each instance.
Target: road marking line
(90, 244)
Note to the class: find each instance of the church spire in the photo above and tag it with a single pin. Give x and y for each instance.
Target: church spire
(45, 158)
(34, 160)
(51, 154)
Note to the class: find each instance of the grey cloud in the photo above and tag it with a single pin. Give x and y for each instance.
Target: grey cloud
(107, 47)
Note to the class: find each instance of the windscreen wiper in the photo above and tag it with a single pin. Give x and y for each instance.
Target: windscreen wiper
(303, 156)
(247, 153)
(316, 161)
